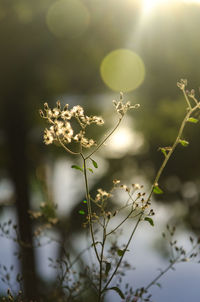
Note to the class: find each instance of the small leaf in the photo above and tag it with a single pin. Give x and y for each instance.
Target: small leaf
(163, 151)
(115, 288)
(81, 212)
(183, 142)
(90, 170)
(192, 120)
(77, 168)
(150, 220)
(157, 190)
(120, 252)
(159, 285)
(94, 163)
(84, 201)
(108, 267)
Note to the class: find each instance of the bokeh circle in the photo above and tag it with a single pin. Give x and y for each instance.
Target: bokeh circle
(122, 70)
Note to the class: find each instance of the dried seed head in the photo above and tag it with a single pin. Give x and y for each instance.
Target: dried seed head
(41, 113)
(58, 105)
(46, 106)
(116, 181)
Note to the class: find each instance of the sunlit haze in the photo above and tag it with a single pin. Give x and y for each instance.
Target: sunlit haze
(150, 5)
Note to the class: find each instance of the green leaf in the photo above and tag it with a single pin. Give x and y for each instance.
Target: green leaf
(77, 168)
(120, 252)
(84, 201)
(183, 142)
(157, 190)
(150, 220)
(90, 170)
(81, 212)
(163, 151)
(192, 120)
(115, 288)
(108, 267)
(159, 285)
(94, 163)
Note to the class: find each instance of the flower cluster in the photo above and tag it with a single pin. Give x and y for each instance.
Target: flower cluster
(122, 108)
(61, 130)
(102, 195)
(182, 84)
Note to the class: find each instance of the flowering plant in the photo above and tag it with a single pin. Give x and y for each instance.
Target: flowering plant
(109, 256)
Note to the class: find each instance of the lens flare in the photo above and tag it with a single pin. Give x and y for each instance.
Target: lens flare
(122, 70)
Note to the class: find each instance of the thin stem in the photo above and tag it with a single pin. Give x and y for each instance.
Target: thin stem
(172, 150)
(101, 262)
(105, 139)
(155, 182)
(187, 100)
(124, 220)
(67, 149)
(89, 206)
(161, 274)
(121, 258)
(176, 260)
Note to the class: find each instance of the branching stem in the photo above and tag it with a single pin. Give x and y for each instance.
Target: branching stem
(105, 139)
(89, 206)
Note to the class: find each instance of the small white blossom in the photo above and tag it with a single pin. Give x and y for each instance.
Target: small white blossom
(77, 111)
(48, 137)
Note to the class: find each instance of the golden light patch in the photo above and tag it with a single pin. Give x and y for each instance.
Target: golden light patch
(122, 70)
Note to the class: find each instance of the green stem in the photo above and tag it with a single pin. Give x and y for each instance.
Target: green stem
(187, 100)
(121, 258)
(172, 150)
(155, 182)
(89, 206)
(101, 262)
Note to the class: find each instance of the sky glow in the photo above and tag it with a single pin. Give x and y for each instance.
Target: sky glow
(150, 5)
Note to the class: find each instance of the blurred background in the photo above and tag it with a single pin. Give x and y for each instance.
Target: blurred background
(85, 52)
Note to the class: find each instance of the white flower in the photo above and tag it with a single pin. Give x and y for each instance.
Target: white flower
(48, 137)
(66, 115)
(77, 111)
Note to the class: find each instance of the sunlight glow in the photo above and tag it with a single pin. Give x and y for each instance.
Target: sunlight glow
(149, 5)
(124, 141)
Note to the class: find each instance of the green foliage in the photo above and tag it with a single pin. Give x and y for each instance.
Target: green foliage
(77, 168)
(82, 212)
(183, 142)
(117, 290)
(157, 190)
(150, 220)
(94, 163)
(192, 120)
(121, 252)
